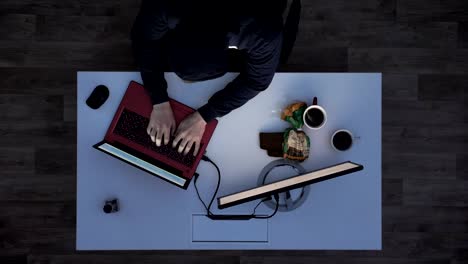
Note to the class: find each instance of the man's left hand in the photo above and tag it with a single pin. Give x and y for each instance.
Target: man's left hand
(190, 132)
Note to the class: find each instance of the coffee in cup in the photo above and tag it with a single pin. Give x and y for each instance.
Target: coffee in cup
(314, 116)
(342, 140)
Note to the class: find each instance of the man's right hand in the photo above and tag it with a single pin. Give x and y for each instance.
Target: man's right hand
(161, 124)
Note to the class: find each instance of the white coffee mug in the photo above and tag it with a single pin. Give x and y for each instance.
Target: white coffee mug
(314, 106)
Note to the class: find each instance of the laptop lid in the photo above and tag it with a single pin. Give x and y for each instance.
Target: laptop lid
(143, 162)
(137, 100)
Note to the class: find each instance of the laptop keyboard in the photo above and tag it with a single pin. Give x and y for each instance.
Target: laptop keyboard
(132, 126)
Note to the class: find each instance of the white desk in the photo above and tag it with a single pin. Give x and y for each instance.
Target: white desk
(342, 213)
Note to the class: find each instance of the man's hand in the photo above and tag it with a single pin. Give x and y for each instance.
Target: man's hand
(190, 131)
(162, 123)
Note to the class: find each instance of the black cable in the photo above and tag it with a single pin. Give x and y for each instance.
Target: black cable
(270, 216)
(205, 158)
(232, 217)
(198, 194)
(217, 185)
(259, 203)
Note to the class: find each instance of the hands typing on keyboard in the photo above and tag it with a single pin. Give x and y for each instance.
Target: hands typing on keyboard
(161, 124)
(189, 133)
(187, 136)
(134, 127)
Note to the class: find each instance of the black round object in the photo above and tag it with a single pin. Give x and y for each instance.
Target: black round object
(314, 117)
(107, 208)
(342, 140)
(98, 97)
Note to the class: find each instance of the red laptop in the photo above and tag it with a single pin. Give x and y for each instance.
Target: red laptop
(127, 140)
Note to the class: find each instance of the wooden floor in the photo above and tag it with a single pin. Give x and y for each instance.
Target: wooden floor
(421, 46)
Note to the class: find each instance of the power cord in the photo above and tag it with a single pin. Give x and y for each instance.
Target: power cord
(212, 216)
(274, 212)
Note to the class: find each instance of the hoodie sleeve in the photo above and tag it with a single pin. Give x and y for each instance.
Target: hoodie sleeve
(261, 64)
(149, 28)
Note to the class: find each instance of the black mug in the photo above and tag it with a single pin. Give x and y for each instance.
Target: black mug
(342, 140)
(314, 116)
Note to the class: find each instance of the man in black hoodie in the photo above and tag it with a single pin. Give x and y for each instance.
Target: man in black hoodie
(201, 40)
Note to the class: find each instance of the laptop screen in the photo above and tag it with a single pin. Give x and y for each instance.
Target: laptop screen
(121, 154)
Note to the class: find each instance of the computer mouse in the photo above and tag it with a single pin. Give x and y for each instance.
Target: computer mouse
(98, 97)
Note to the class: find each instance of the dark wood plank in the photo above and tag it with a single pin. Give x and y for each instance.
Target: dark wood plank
(432, 10)
(400, 87)
(14, 259)
(411, 60)
(38, 81)
(462, 166)
(30, 187)
(17, 26)
(349, 10)
(321, 60)
(426, 219)
(339, 260)
(64, 7)
(12, 54)
(18, 215)
(419, 166)
(116, 56)
(431, 192)
(9, 249)
(393, 194)
(52, 167)
(375, 34)
(463, 34)
(45, 240)
(83, 56)
(15, 108)
(129, 8)
(312, 254)
(83, 28)
(419, 245)
(143, 259)
(425, 139)
(442, 87)
(69, 108)
(17, 159)
(399, 112)
(460, 244)
(56, 161)
(37, 133)
(460, 256)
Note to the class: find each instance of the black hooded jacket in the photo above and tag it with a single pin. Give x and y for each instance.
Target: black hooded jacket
(201, 40)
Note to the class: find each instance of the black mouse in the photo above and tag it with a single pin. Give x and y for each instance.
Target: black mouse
(98, 97)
